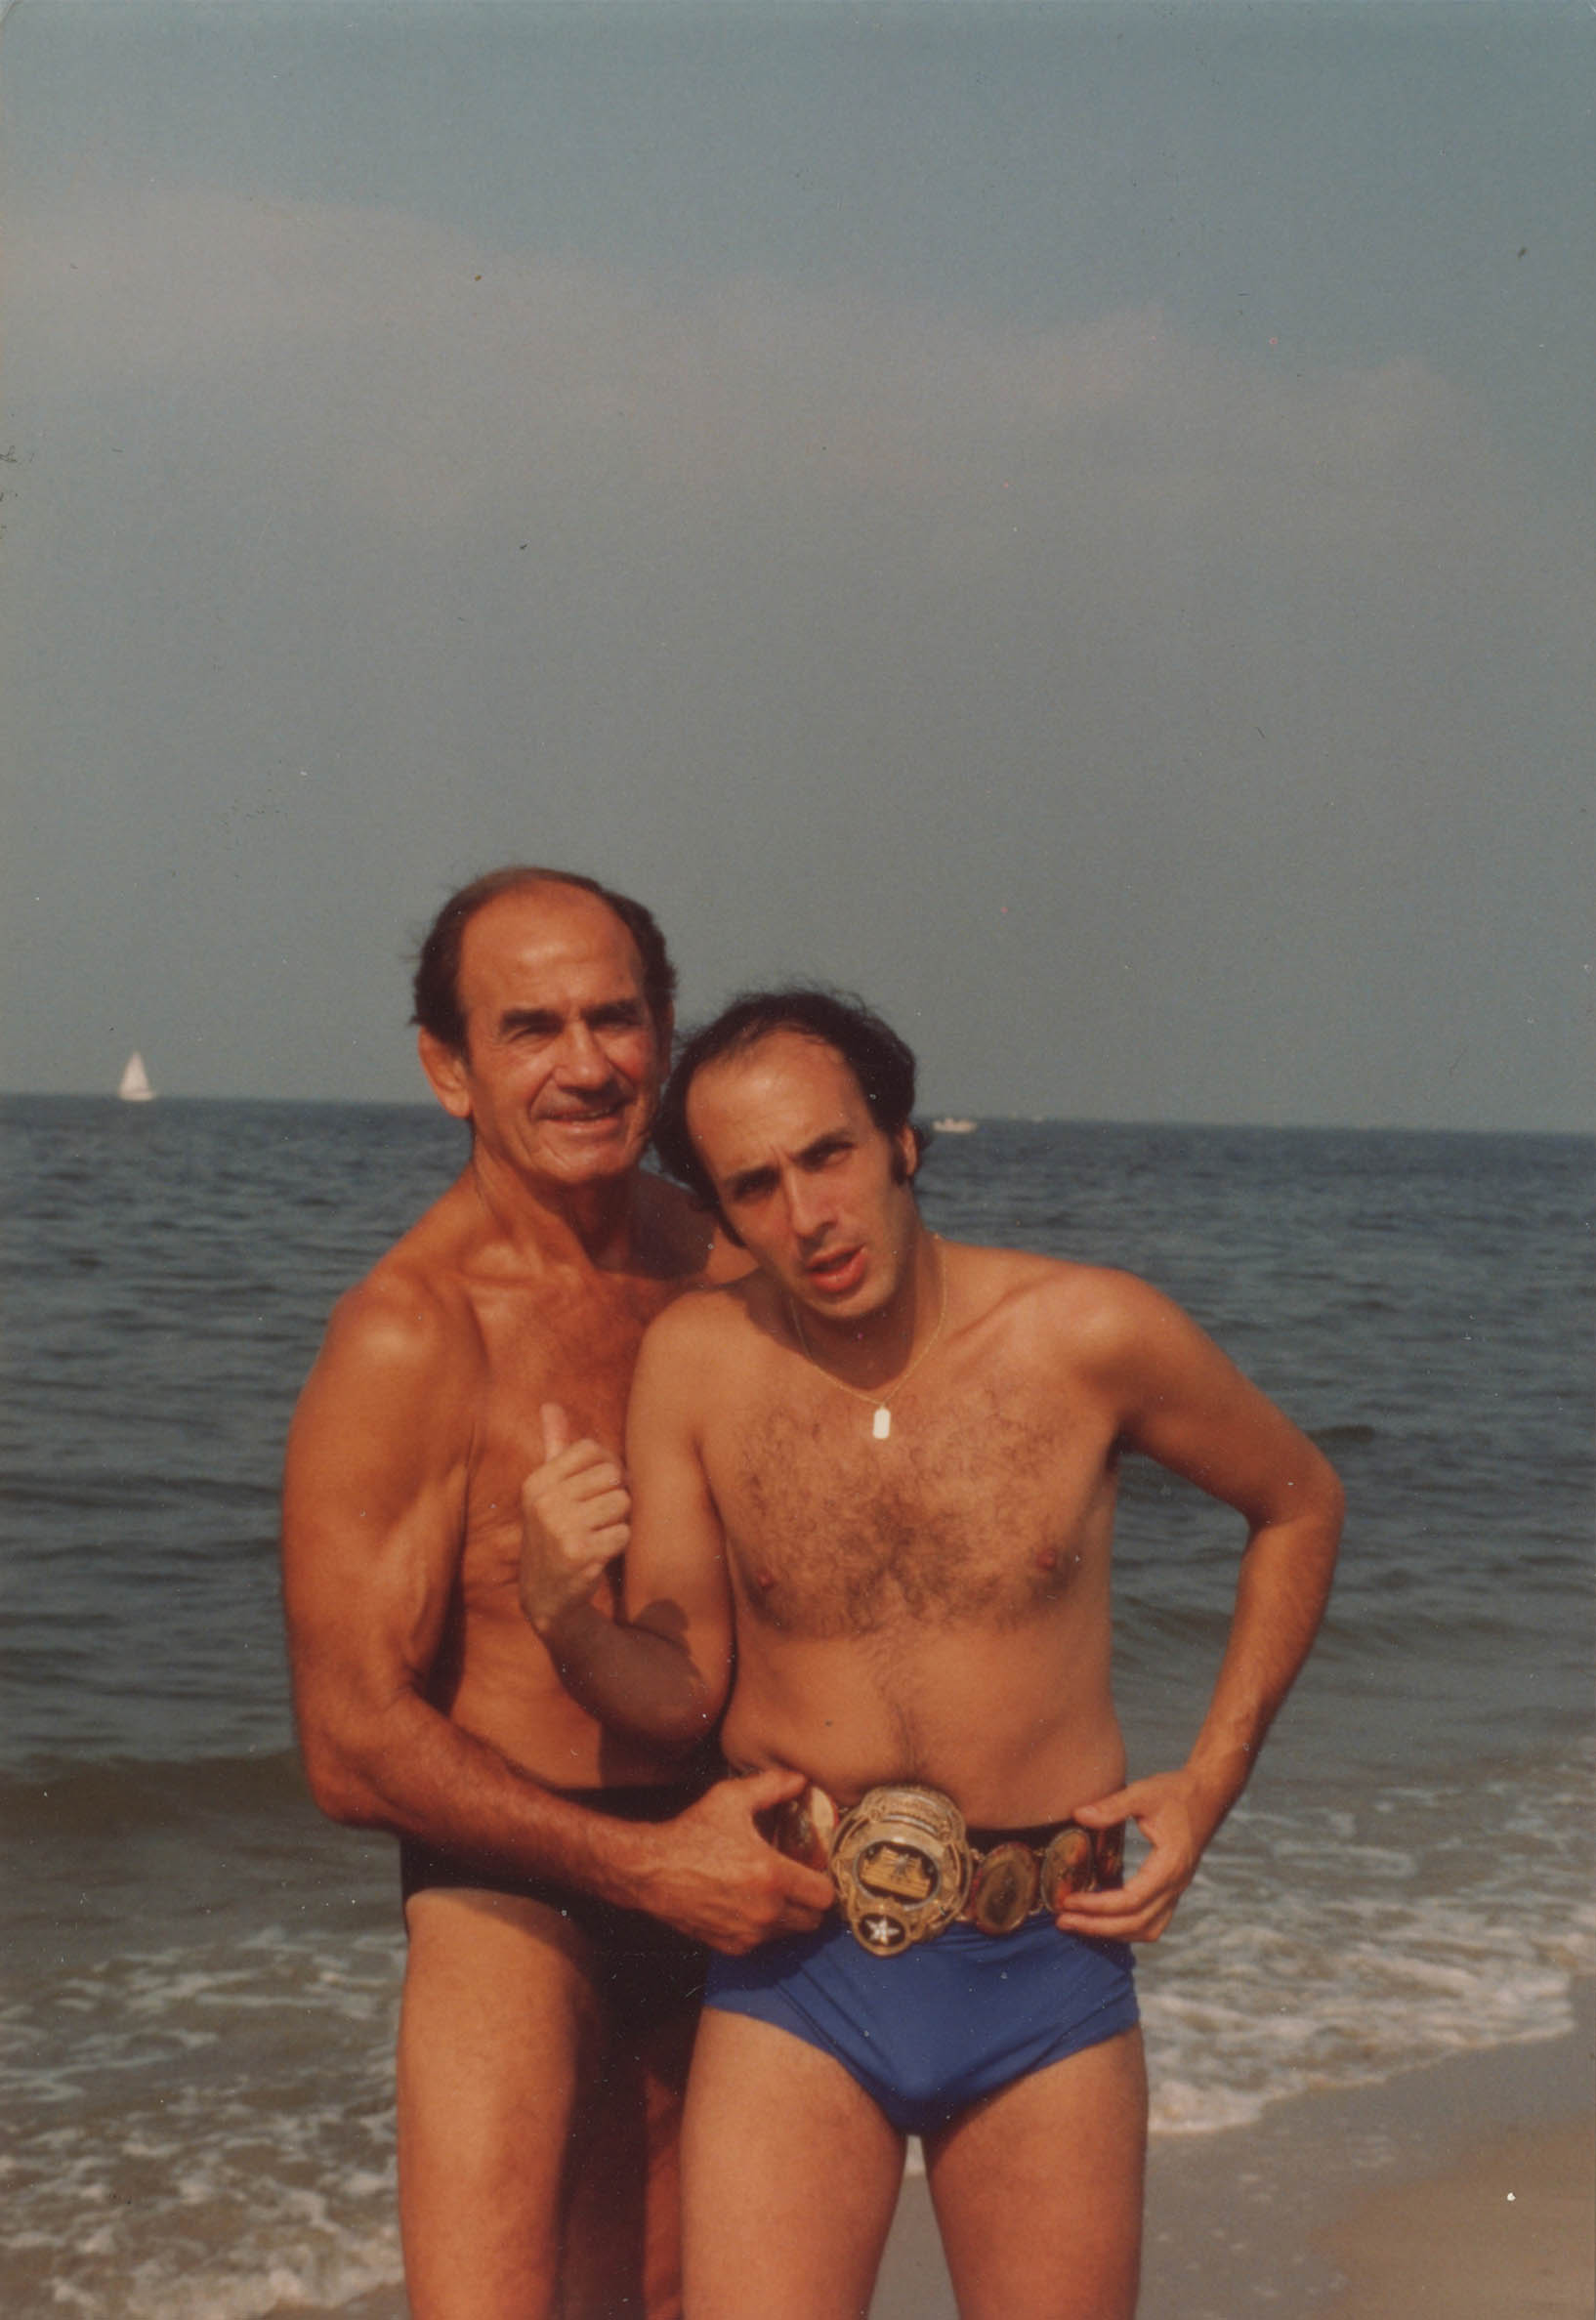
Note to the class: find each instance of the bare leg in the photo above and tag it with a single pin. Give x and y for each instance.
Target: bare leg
(510, 2097)
(618, 2247)
(1039, 2190)
(791, 2174)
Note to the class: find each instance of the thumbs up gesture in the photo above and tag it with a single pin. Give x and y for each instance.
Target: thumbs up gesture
(574, 1519)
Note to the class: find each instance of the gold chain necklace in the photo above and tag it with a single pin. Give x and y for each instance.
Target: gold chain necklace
(881, 1422)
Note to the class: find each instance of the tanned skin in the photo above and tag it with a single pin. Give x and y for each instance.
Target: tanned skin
(934, 1607)
(538, 2161)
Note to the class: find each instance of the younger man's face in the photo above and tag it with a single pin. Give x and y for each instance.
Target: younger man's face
(819, 1195)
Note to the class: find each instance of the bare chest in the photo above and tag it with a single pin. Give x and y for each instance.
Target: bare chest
(984, 1507)
(579, 1353)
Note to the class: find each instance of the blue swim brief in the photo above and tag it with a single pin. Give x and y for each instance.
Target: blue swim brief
(932, 2030)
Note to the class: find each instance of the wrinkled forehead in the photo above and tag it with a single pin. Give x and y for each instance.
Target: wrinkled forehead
(779, 1095)
(543, 945)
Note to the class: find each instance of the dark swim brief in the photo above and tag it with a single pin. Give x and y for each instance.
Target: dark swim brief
(647, 1970)
(928, 2032)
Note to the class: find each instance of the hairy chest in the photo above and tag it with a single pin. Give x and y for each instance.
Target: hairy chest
(985, 1509)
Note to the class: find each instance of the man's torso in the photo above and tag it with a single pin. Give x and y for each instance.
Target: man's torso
(514, 1339)
(934, 1606)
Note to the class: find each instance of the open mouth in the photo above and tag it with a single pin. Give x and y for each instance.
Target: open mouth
(838, 1272)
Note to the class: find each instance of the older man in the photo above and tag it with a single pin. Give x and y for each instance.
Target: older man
(876, 1480)
(546, 2021)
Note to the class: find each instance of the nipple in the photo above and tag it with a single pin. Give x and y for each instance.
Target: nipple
(1048, 1559)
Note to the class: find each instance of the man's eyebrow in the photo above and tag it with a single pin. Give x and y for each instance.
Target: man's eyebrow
(529, 1018)
(743, 1181)
(552, 1019)
(832, 1140)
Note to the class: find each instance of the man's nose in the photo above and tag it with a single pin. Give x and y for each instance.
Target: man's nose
(581, 1058)
(808, 1211)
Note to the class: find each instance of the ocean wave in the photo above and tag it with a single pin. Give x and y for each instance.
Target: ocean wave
(64, 1797)
(1328, 1947)
(205, 2128)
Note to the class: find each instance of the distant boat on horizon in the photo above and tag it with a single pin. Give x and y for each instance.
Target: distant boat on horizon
(954, 1127)
(133, 1085)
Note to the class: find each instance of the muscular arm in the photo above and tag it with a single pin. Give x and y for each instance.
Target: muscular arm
(661, 1674)
(1182, 1402)
(373, 1509)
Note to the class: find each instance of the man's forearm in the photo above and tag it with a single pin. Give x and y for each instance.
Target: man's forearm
(410, 1771)
(632, 1679)
(1283, 1586)
(708, 1872)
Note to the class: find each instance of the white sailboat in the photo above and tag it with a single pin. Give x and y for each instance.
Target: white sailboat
(954, 1127)
(133, 1085)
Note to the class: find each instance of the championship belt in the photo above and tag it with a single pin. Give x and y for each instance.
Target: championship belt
(901, 1867)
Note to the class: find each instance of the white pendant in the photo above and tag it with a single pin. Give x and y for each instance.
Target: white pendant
(881, 1423)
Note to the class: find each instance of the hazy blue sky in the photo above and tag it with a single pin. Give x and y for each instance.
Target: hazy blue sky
(1077, 521)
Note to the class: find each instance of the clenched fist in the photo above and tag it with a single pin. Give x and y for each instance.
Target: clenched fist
(575, 1513)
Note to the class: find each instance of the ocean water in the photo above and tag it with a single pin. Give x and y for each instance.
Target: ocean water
(201, 1976)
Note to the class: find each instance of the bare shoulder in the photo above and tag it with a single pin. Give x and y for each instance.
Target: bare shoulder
(704, 1324)
(1089, 1314)
(399, 1316)
(408, 1329)
(706, 1349)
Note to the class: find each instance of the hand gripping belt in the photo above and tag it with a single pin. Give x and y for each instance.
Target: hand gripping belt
(904, 1868)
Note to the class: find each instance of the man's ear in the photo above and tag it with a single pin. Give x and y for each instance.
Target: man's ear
(445, 1071)
(907, 1145)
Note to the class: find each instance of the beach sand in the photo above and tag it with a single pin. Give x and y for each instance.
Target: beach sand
(1512, 2230)
(1386, 2203)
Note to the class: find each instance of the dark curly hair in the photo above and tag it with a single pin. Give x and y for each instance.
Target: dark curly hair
(881, 1063)
(436, 989)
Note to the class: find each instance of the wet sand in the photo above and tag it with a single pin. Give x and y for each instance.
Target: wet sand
(1512, 2230)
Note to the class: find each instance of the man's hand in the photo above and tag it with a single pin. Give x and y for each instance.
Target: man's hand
(575, 1514)
(1177, 1814)
(715, 1877)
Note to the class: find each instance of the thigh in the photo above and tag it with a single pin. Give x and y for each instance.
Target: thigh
(623, 2218)
(1039, 2190)
(499, 2032)
(790, 2178)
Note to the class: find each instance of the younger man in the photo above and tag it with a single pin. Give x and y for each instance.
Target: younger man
(874, 1487)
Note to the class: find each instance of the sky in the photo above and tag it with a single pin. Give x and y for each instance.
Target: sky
(1077, 522)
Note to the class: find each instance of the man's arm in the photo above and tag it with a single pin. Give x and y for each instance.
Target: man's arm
(373, 1512)
(1183, 1403)
(663, 1674)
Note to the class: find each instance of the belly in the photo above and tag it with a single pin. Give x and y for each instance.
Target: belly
(990, 1718)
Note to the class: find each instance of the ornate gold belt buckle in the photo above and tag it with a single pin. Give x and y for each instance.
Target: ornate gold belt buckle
(900, 1863)
(1003, 1891)
(1079, 1860)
